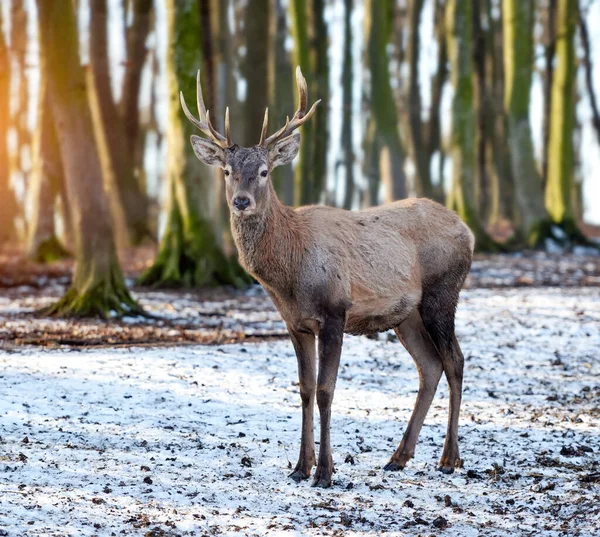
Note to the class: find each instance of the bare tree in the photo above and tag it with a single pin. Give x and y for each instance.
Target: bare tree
(98, 287)
(128, 201)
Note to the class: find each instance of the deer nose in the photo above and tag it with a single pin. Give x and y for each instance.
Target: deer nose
(241, 203)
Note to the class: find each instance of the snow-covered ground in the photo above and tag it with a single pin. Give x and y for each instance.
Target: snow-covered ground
(198, 440)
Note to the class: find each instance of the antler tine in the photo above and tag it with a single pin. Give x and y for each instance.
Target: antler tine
(302, 91)
(218, 137)
(263, 132)
(300, 117)
(204, 123)
(199, 97)
(188, 114)
(227, 130)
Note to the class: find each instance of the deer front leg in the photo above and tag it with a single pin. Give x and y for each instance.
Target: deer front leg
(304, 345)
(330, 348)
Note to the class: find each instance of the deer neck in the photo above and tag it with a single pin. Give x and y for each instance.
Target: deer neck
(270, 243)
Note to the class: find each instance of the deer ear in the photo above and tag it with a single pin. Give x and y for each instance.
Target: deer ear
(284, 151)
(208, 152)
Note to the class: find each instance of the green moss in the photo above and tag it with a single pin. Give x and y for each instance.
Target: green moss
(49, 250)
(98, 296)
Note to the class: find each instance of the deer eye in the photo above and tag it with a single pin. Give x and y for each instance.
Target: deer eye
(226, 172)
(264, 173)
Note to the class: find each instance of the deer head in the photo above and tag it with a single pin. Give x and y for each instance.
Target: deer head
(248, 169)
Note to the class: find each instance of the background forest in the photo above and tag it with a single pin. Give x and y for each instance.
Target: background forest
(486, 106)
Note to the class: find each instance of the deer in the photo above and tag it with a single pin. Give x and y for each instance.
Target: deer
(331, 272)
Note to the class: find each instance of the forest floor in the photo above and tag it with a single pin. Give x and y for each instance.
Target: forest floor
(135, 427)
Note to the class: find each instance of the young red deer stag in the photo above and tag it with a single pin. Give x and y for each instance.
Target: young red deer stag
(330, 271)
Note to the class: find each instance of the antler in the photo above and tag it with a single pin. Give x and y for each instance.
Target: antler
(300, 117)
(204, 123)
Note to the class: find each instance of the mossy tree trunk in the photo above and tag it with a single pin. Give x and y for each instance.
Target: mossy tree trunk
(459, 27)
(8, 203)
(189, 253)
(518, 69)
(383, 108)
(304, 177)
(562, 119)
(128, 201)
(46, 179)
(98, 287)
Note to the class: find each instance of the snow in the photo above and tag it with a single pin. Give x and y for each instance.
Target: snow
(198, 440)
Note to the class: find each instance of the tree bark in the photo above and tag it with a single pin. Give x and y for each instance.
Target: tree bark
(8, 203)
(383, 108)
(136, 36)
(347, 98)
(304, 177)
(43, 245)
(98, 287)
(549, 52)
(421, 156)
(256, 68)
(562, 119)
(320, 90)
(518, 68)
(281, 95)
(189, 254)
(459, 25)
(128, 201)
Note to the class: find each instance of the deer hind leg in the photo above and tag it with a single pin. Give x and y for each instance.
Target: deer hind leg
(330, 348)
(438, 310)
(417, 341)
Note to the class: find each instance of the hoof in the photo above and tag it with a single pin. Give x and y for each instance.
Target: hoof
(299, 475)
(446, 469)
(393, 466)
(322, 483)
(322, 478)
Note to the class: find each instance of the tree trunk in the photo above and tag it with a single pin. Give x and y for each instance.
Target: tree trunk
(256, 68)
(136, 36)
(8, 203)
(347, 98)
(320, 90)
(383, 108)
(434, 136)
(518, 68)
(281, 95)
(549, 52)
(459, 25)
(189, 254)
(562, 118)
(43, 245)
(304, 176)
(423, 185)
(128, 202)
(98, 287)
